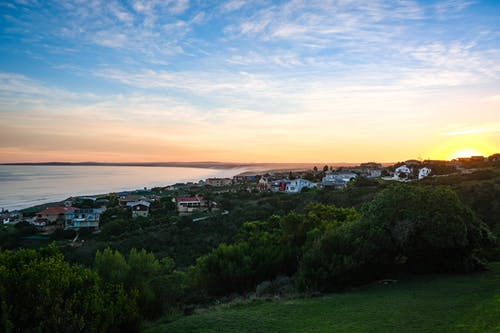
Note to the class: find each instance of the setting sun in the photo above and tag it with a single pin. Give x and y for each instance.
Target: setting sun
(464, 146)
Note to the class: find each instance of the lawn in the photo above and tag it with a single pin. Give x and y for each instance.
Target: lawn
(437, 303)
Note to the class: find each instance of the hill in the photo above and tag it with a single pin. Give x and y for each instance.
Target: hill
(430, 303)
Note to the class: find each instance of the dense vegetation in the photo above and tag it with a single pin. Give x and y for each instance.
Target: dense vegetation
(318, 240)
(40, 292)
(403, 229)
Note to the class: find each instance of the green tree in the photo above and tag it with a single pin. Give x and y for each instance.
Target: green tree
(405, 228)
(155, 283)
(41, 292)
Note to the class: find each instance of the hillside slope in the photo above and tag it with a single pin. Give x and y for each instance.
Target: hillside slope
(438, 303)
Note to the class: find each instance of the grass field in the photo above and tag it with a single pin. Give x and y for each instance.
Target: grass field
(438, 303)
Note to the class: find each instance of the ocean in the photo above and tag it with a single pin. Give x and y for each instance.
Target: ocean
(23, 186)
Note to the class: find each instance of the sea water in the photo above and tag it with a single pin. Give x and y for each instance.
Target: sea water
(22, 186)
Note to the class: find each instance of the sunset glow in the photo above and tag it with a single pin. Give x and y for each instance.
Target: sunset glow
(242, 81)
(467, 152)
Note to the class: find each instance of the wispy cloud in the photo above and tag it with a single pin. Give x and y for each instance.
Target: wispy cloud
(233, 5)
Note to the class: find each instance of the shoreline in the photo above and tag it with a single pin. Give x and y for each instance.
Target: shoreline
(240, 169)
(18, 199)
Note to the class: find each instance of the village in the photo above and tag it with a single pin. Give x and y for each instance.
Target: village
(84, 213)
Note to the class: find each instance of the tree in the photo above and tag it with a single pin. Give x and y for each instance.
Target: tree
(405, 228)
(154, 282)
(41, 292)
(430, 226)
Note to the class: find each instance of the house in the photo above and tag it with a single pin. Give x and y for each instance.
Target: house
(83, 218)
(124, 199)
(218, 182)
(371, 165)
(279, 185)
(239, 179)
(424, 172)
(10, 217)
(402, 173)
(52, 215)
(337, 179)
(264, 184)
(189, 205)
(139, 208)
(296, 185)
(374, 173)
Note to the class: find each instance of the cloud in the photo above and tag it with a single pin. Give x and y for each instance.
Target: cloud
(232, 5)
(448, 7)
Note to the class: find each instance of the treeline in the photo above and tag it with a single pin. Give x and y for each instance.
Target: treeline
(404, 229)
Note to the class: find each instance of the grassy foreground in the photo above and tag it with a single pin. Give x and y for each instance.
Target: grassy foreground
(439, 303)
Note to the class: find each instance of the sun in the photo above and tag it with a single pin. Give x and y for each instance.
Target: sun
(459, 146)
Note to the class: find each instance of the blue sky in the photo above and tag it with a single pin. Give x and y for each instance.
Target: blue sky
(248, 80)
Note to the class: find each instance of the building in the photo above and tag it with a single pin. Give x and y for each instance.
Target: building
(402, 173)
(190, 205)
(52, 215)
(124, 199)
(371, 165)
(373, 173)
(10, 217)
(139, 208)
(279, 185)
(337, 179)
(83, 218)
(264, 184)
(296, 185)
(424, 172)
(218, 182)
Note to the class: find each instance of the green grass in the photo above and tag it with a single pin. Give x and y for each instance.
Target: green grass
(438, 303)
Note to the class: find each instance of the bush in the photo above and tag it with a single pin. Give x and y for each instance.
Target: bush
(412, 229)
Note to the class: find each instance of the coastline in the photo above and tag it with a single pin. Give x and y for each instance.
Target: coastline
(19, 197)
(27, 186)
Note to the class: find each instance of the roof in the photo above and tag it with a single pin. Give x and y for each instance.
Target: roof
(136, 203)
(189, 199)
(132, 197)
(56, 210)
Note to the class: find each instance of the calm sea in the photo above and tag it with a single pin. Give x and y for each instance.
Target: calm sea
(23, 186)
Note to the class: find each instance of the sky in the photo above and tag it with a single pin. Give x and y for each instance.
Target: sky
(248, 81)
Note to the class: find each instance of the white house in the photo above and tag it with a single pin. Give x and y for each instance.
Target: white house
(402, 173)
(424, 172)
(189, 205)
(296, 185)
